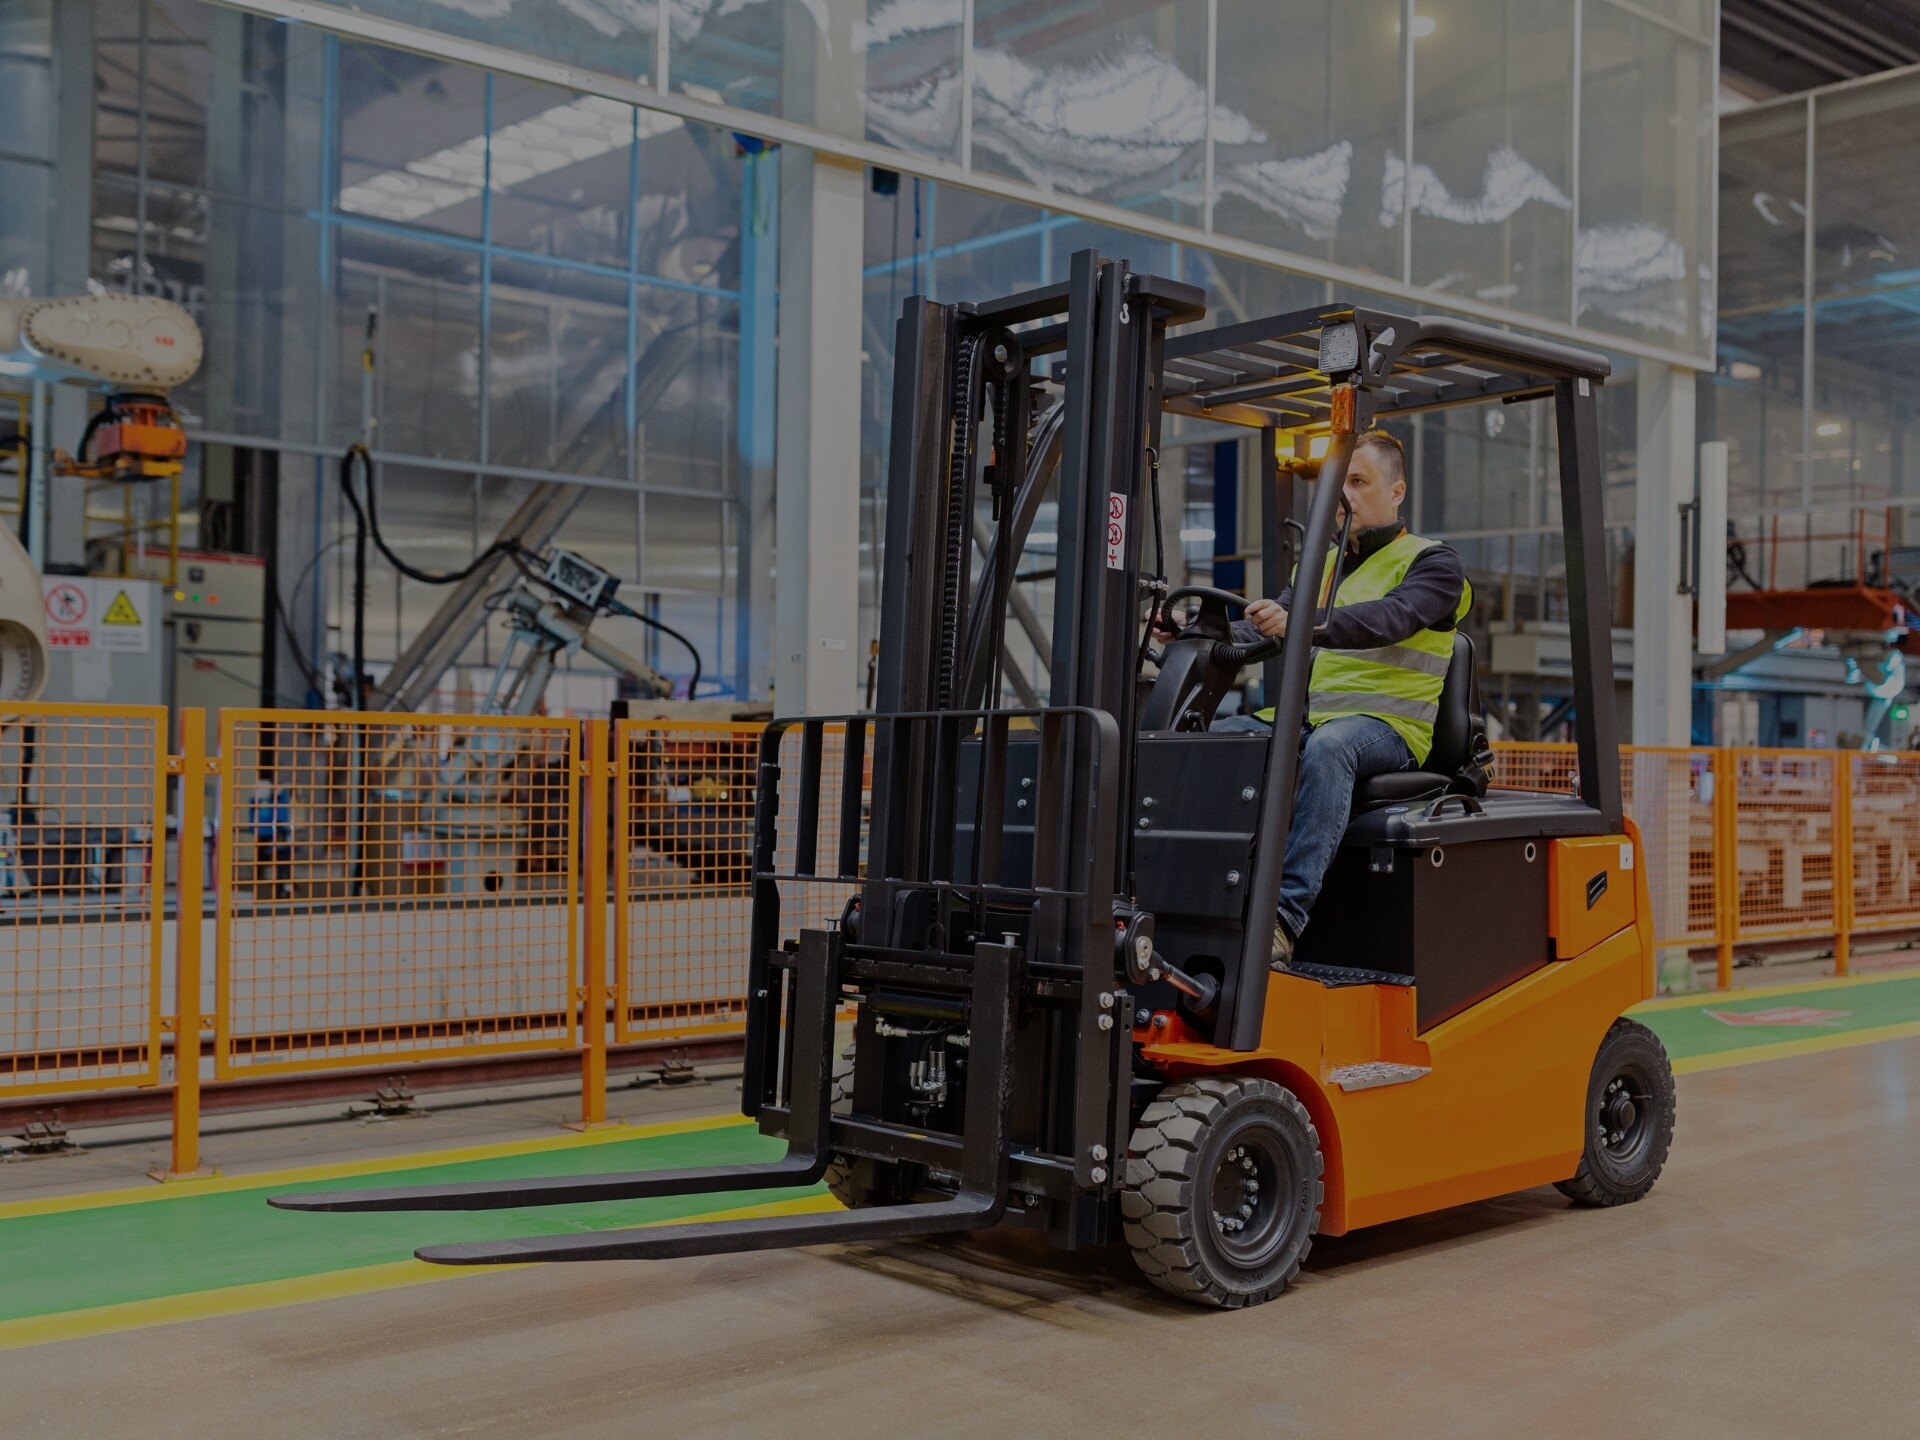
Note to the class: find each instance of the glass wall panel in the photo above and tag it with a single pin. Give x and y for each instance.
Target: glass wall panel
(556, 370)
(1866, 277)
(687, 209)
(1106, 102)
(804, 60)
(24, 259)
(685, 547)
(426, 382)
(1696, 17)
(26, 79)
(1309, 126)
(615, 37)
(1492, 174)
(1645, 201)
(911, 50)
(1755, 401)
(687, 388)
(561, 172)
(412, 140)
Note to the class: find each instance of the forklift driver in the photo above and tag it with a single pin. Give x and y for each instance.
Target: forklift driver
(1377, 677)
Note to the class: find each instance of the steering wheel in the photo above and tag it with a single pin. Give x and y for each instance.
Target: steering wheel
(1213, 609)
(1199, 665)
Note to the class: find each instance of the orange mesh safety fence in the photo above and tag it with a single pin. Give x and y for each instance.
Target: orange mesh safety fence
(1536, 765)
(1886, 840)
(394, 887)
(682, 873)
(1783, 842)
(82, 894)
(685, 798)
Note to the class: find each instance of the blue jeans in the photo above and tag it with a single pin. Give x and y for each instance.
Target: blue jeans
(1334, 758)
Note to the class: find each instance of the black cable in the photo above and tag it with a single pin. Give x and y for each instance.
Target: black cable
(367, 524)
(367, 520)
(1159, 561)
(370, 518)
(618, 607)
(300, 660)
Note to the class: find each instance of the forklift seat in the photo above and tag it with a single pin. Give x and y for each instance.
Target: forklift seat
(1459, 734)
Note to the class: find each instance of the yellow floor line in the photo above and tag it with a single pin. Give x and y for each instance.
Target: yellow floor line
(272, 1294)
(1763, 992)
(1783, 1049)
(346, 1169)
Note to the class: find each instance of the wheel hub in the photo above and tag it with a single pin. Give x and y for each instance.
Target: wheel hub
(1246, 1199)
(1621, 1111)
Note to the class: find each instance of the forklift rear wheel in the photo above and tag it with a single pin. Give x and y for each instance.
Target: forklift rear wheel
(1629, 1119)
(839, 1175)
(1223, 1190)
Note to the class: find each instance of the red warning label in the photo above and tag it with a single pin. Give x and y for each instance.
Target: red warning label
(1116, 532)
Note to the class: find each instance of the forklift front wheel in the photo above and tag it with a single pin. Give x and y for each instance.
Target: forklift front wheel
(1223, 1190)
(1629, 1119)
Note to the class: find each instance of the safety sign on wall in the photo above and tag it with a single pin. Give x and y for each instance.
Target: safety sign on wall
(94, 612)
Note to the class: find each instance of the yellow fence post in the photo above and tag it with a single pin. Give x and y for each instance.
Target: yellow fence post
(595, 771)
(1842, 862)
(194, 769)
(1726, 859)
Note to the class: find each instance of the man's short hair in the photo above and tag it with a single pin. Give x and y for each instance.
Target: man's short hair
(1389, 448)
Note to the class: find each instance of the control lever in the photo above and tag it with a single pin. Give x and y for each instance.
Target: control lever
(1202, 990)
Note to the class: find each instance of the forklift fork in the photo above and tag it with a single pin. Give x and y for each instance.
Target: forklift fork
(979, 1202)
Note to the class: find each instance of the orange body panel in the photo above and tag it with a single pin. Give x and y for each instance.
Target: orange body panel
(1501, 1107)
(1590, 891)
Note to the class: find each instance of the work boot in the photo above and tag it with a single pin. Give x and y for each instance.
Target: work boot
(1282, 959)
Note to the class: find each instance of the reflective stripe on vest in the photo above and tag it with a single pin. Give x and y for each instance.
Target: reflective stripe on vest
(1398, 684)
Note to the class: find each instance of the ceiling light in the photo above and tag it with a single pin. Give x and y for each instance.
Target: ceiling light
(1422, 26)
(1829, 427)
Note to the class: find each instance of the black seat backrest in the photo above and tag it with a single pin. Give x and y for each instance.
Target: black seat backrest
(1459, 720)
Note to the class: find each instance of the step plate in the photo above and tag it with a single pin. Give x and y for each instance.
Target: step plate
(1335, 977)
(1375, 1073)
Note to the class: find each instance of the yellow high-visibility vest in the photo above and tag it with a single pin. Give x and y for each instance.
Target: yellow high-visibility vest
(1399, 684)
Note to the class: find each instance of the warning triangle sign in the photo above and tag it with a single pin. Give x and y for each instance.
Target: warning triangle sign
(121, 612)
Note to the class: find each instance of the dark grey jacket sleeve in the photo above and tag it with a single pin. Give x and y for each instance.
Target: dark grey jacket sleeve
(1425, 599)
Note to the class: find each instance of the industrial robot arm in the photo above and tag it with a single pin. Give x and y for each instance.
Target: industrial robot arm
(141, 347)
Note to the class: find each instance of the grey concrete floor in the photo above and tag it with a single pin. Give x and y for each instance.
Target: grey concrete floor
(1769, 1287)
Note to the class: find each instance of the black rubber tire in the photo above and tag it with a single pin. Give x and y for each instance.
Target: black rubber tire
(1628, 1121)
(1177, 1165)
(839, 1175)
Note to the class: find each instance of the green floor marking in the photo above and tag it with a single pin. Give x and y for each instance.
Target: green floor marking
(1694, 1031)
(80, 1259)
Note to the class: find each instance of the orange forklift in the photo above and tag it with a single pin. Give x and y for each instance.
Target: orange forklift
(1055, 920)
